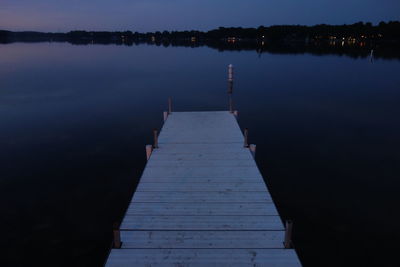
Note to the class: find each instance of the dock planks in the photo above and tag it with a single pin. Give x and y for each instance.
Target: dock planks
(202, 201)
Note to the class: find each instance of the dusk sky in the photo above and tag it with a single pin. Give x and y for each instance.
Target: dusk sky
(150, 15)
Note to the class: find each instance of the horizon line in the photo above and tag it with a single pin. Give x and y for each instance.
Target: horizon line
(226, 27)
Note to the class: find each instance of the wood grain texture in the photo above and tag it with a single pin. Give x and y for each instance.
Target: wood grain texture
(211, 222)
(194, 196)
(207, 208)
(189, 186)
(202, 239)
(204, 257)
(201, 201)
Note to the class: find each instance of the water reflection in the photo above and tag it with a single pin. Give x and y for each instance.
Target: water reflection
(75, 121)
(352, 47)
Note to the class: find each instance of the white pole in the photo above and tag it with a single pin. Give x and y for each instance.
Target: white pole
(230, 73)
(230, 87)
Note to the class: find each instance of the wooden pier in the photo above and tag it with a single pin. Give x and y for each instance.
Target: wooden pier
(202, 201)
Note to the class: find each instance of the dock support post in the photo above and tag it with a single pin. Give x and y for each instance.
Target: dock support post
(230, 87)
(288, 234)
(116, 236)
(165, 115)
(246, 136)
(149, 149)
(230, 73)
(169, 105)
(230, 104)
(252, 148)
(155, 135)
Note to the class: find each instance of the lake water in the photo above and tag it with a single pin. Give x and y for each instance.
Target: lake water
(75, 120)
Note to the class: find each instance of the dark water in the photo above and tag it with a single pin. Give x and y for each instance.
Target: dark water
(74, 121)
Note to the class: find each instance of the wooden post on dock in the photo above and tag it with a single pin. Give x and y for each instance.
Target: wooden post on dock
(149, 149)
(252, 148)
(246, 136)
(155, 135)
(165, 115)
(116, 236)
(288, 234)
(169, 105)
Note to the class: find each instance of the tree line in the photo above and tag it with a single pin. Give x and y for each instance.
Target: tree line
(384, 31)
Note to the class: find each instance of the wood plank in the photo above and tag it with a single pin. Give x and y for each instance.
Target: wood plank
(193, 148)
(190, 136)
(192, 186)
(201, 163)
(201, 201)
(222, 196)
(201, 179)
(201, 171)
(203, 257)
(202, 239)
(265, 223)
(205, 127)
(156, 156)
(207, 208)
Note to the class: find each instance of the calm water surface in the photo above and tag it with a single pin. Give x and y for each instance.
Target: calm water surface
(74, 121)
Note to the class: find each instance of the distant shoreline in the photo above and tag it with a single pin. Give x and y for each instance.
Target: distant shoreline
(355, 40)
(355, 33)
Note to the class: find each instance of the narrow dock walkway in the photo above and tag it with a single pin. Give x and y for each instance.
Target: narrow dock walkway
(202, 201)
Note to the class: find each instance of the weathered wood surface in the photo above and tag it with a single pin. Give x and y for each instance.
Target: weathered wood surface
(204, 257)
(201, 127)
(202, 239)
(190, 172)
(205, 186)
(210, 222)
(218, 196)
(202, 201)
(207, 208)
